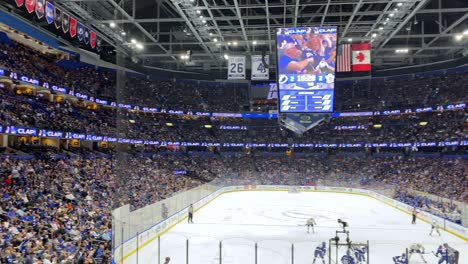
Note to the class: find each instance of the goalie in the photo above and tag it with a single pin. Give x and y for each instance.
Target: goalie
(310, 224)
(417, 249)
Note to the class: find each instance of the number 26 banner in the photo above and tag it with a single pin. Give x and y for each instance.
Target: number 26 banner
(236, 68)
(259, 71)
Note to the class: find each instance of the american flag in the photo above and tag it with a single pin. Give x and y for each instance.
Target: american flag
(344, 58)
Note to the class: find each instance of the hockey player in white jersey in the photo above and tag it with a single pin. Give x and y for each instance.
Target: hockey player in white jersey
(435, 227)
(417, 249)
(310, 224)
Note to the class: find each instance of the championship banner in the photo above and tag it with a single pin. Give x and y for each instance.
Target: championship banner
(93, 39)
(259, 71)
(361, 57)
(19, 3)
(57, 17)
(80, 29)
(86, 35)
(40, 8)
(65, 22)
(236, 68)
(30, 5)
(49, 12)
(73, 25)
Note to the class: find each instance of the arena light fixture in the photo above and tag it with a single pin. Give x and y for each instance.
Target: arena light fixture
(465, 32)
(198, 12)
(211, 34)
(380, 28)
(133, 41)
(374, 35)
(378, 126)
(139, 46)
(203, 21)
(229, 43)
(123, 33)
(226, 57)
(458, 37)
(423, 123)
(254, 42)
(112, 24)
(399, 4)
(208, 126)
(169, 124)
(350, 39)
(391, 15)
(235, 43)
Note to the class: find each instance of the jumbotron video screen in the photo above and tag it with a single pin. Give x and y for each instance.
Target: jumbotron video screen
(306, 69)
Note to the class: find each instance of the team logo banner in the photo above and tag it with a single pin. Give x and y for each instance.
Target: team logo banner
(30, 5)
(259, 71)
(19, 3)
(86, 35)
(65, 22)
(81, 30)
(73, 25)
(40, 8)
(236, 68)
(49, 10)
(93, 39)
(58, 18)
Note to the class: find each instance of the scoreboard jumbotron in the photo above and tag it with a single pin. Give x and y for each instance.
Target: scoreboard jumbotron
(306, 69)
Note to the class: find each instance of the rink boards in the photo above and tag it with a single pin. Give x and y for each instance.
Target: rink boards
(131, 246)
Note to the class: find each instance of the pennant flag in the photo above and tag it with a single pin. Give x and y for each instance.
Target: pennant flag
(40, 8)
(49, 10)
(65, 22)
(30, 5)
(72, 27)
(19, 3)
(93, 39)
(344, 58)
(57, 17)
(86, 35)
(80, 32)
(361, 57)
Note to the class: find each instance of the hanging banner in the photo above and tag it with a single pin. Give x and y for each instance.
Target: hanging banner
(30, 5)
(57, 17)
(93, 39)
(86, 35)
(19, 3)
(73, 25)
(40, 8)
(80, 29)
(259, 71)
(65, 22)
(236, 68)
(49, 12)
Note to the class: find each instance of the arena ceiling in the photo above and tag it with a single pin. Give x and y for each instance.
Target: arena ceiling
(422, 31)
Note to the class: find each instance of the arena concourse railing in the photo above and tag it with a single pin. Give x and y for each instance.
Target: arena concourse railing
(135, 233)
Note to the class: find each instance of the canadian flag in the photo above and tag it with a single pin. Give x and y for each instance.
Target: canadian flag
(361, 57)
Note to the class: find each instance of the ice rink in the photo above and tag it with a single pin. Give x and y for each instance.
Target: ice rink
(275, 220)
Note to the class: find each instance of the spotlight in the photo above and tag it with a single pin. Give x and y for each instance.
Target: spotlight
(215, 40)
(198, 12)
(399, 4)
(203, 21)
(229, 43)
(133, 41)
(374, 35)
(226, 57)
(123, 33)
(112, 24)
(391, 14)
(254, 42)
(459, 37)
(139, 46)
(380, 28)
(350, 39)
(234, 43)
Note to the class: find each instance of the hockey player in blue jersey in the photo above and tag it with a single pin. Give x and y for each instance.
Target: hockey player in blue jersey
(320, 251)
(400, 259)
(348, 258)
(360, 253)
(443, 253)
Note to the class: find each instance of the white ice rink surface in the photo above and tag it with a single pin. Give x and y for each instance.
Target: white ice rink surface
(274, 220)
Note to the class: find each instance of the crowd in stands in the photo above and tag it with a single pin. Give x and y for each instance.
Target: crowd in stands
(59, 208)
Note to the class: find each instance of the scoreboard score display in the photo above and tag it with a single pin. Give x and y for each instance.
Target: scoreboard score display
(306, 69)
